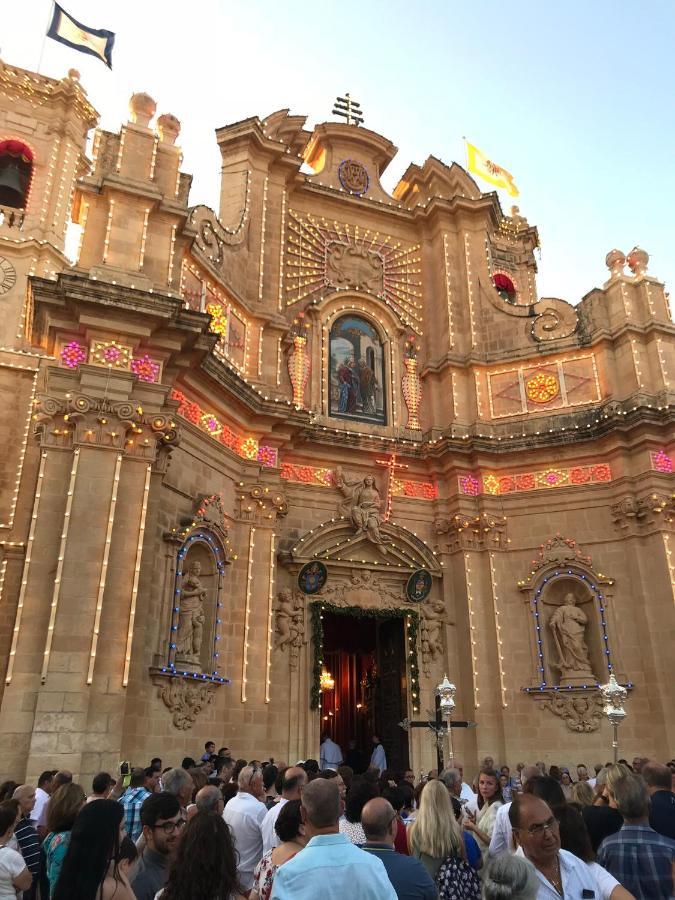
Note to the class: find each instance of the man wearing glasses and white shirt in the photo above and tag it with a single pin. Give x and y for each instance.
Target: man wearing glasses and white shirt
(244, 815)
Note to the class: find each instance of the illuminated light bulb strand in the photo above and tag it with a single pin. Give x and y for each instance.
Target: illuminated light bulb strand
(108, 228)
(260, 348)
(263, 220)
(670, 562)
(80, 243)
(282, 232)
(26, 567)
(626, 300)
(472, 630)
(104, 568)
(144, 236)
(172, 253)
(153, 158)
(635, 353)
(247, 617)
(279, 355)
(137, 572)
(270, 612)
(662, 364)
(22, 451)
(59, 567)
(448, 290)
(469, 281)
(498, 630)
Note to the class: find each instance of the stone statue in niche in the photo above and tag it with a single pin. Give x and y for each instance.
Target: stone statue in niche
(191, 617)
(363, 504)
(568, 625)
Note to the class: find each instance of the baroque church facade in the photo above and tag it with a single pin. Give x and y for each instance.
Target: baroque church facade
(273, 470)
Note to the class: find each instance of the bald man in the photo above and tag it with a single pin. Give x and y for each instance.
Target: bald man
(210, 799)
(292, 783)
(408, 877)
(502, 836)
(26, 834)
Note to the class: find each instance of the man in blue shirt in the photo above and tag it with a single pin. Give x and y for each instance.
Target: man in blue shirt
(662, 799)
(637, 856)
(409, 878)
(329, 867)
(132, 800)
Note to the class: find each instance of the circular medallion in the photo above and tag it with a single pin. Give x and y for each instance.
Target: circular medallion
(353, 177)
(418, 586)
(542, 387)
(7, 275)
(312, 577)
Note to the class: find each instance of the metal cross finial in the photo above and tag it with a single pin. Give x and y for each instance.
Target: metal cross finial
(349, 109)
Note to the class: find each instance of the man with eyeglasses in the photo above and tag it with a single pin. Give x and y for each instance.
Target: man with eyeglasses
(244, 814)
(560, 873)
(162, 821)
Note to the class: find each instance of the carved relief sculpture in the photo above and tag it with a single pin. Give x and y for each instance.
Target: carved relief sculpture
(290, 624)
(186, 699)
(433, 620)
(191, 618)
(363, 504)
(568, 624)
(578, 713)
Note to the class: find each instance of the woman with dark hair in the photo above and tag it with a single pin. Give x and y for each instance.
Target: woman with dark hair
(489, 800)
(291, 832)
(361, 791)
(205, 867)
(7, 789)
(64, 805)
(90, 869)
(397, 799)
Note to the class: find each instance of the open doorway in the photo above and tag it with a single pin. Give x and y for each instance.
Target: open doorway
(366, 658)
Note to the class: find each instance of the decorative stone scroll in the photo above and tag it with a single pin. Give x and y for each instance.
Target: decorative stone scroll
(212, 236)
(186, 698)
(552, 318)
(581, 713)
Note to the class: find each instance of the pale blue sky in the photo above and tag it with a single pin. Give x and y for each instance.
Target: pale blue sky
(574, 98)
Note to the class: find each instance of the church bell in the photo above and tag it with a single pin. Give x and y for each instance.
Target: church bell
(13, 183)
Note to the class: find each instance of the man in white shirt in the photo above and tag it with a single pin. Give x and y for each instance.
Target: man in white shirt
(502, 836)
(42, 793)
(244, 814)
(466, 793)
(378, 760)
(560, 873)
(292, 784)
(330, 756)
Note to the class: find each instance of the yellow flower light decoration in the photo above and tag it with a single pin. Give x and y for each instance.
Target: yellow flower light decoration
(542, 387)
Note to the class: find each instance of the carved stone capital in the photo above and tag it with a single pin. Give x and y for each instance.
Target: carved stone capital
(461, 532)
(633, 515)
(185, 698)
(261, 504)
(87, 422)
(580, 712)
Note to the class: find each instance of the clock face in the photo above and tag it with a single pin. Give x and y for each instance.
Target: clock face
(7, 275)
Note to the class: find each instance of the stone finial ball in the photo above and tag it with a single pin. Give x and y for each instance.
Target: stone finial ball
(73, 74)
(638, 261)
(141, 108)
(615, 261)
(168, 127)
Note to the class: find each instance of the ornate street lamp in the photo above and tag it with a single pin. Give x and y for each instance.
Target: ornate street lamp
(445, 692)
(614, 696)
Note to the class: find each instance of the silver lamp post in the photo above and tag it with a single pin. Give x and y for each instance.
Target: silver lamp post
(614, 696)
(446, 691)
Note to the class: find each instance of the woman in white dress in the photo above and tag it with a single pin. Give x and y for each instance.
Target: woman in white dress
(489, 800)
(14, 876)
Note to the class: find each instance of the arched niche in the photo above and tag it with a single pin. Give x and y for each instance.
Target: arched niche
(197, 605)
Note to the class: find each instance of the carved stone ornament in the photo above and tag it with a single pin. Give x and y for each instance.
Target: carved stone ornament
(354, 267)
(261, 503)
(552, 318)
(186, 698)
(433, 620)
(483, 532)
(290, 624)
(633, 514)
(581, 712)
(362, 503)
(353, 176)
(363, 589)
(212, 235)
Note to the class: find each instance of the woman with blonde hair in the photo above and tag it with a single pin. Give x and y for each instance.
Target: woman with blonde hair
(582, 793)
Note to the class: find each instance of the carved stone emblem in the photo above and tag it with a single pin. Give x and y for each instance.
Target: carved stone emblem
(353, 176)
(354, 267)
(185, 699)
(581, 713)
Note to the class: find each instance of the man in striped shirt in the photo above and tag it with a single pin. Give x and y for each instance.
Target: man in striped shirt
(26, 835)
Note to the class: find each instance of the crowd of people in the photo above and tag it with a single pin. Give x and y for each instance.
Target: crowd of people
(219, 828)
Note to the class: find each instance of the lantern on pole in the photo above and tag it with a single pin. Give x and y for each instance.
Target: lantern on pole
(445, 692)
(614, 696)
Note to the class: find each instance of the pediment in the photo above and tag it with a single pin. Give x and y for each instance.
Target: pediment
(336, 542)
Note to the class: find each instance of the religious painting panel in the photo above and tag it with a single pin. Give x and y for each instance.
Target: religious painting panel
(356, 371)
(581, 380)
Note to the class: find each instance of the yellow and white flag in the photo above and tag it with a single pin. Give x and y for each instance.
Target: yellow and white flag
(67, 30)
(480, 165)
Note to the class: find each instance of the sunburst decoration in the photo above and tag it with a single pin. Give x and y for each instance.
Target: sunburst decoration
(322, 256)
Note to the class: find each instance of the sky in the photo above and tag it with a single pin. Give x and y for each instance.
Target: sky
(574, 98)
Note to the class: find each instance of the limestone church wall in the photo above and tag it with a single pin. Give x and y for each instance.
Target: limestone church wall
(203, 407)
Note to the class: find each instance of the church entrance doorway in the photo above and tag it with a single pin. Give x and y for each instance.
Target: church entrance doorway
(366, 659)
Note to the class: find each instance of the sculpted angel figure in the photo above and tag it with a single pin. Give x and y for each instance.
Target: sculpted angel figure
(191, 617)
(288, 621)
(433, 620)
(363, 505)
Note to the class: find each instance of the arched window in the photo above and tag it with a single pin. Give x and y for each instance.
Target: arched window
(16, 168)
(356, 387)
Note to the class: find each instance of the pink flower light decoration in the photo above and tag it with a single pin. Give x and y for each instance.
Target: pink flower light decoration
(73, 354)
(146, 369)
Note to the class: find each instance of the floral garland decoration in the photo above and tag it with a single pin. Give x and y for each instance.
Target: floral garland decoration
(319, 606)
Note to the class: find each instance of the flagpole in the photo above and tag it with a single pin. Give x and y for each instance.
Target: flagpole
(44, 36)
